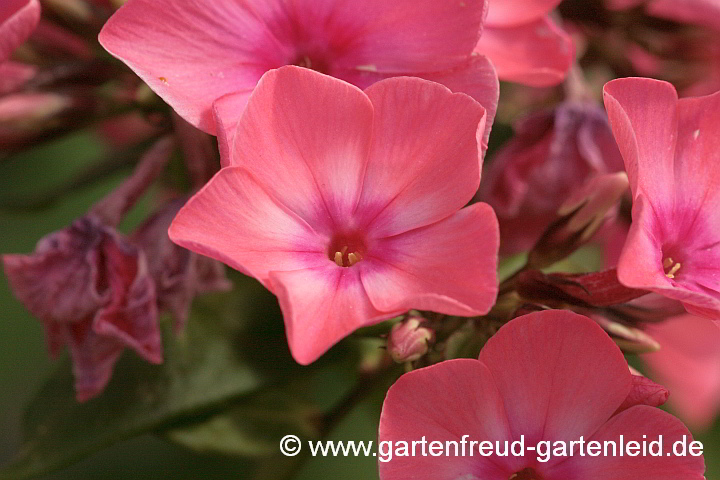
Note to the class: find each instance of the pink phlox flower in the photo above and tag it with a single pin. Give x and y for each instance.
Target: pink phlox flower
(348, 204)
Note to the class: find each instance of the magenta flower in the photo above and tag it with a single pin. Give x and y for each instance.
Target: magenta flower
(551, 376)
(345, 204)
(524, 44)
(689, 365)
(18, 19)
(192, 53)
(670, 150)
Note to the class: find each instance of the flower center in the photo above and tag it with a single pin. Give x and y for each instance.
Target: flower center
(671, 267)
(313, 61)
(347, 249)
(527, 474)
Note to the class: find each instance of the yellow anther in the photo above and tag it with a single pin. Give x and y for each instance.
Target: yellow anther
(669, 263)
(354, 258)
(673, 271)
(339, 259)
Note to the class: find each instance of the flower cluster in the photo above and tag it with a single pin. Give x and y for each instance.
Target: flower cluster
(357, 175)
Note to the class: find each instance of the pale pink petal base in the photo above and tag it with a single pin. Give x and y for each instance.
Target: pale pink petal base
(252, 232)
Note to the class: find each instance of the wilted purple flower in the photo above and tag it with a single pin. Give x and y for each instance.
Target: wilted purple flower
(92, 288)
(179, 274)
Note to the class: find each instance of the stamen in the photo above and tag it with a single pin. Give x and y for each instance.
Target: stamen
(672, 265)
(339, 259)
(353, 259)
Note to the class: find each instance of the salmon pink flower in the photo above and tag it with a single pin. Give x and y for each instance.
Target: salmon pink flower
(670, 148)
(551, 376)
(347, 204)
(524, 43)
(18, 19)
(193, 53)
(688, 363)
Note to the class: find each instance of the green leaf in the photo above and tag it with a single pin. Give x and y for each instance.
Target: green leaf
(234, 344)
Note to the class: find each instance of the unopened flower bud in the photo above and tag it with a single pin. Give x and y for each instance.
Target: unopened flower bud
(409, 340)
(580, 218)
(629, 339)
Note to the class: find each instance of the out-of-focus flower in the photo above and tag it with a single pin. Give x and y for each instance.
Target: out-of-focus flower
(525, 45)
(409, 340)
(179, 274)
(18, 19)
(552, 154)
(193, 54)
(14, 75)
(92, 288)
(688, 363)
(347, 205)
(551, 376)
(698, 12)
(671, 155)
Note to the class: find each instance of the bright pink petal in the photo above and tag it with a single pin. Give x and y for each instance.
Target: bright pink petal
(400, 37)
(443, 403)
(558, 373)
(475, 77)
(306, 137)
(18, 18)
(321, 306)
(446, 267)
(538, 54)
(689, 364)
(639, 424)
(193, 53)
(425, 159)
(643, 116)
(697, 159)
(235, 220)
(515, 12)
